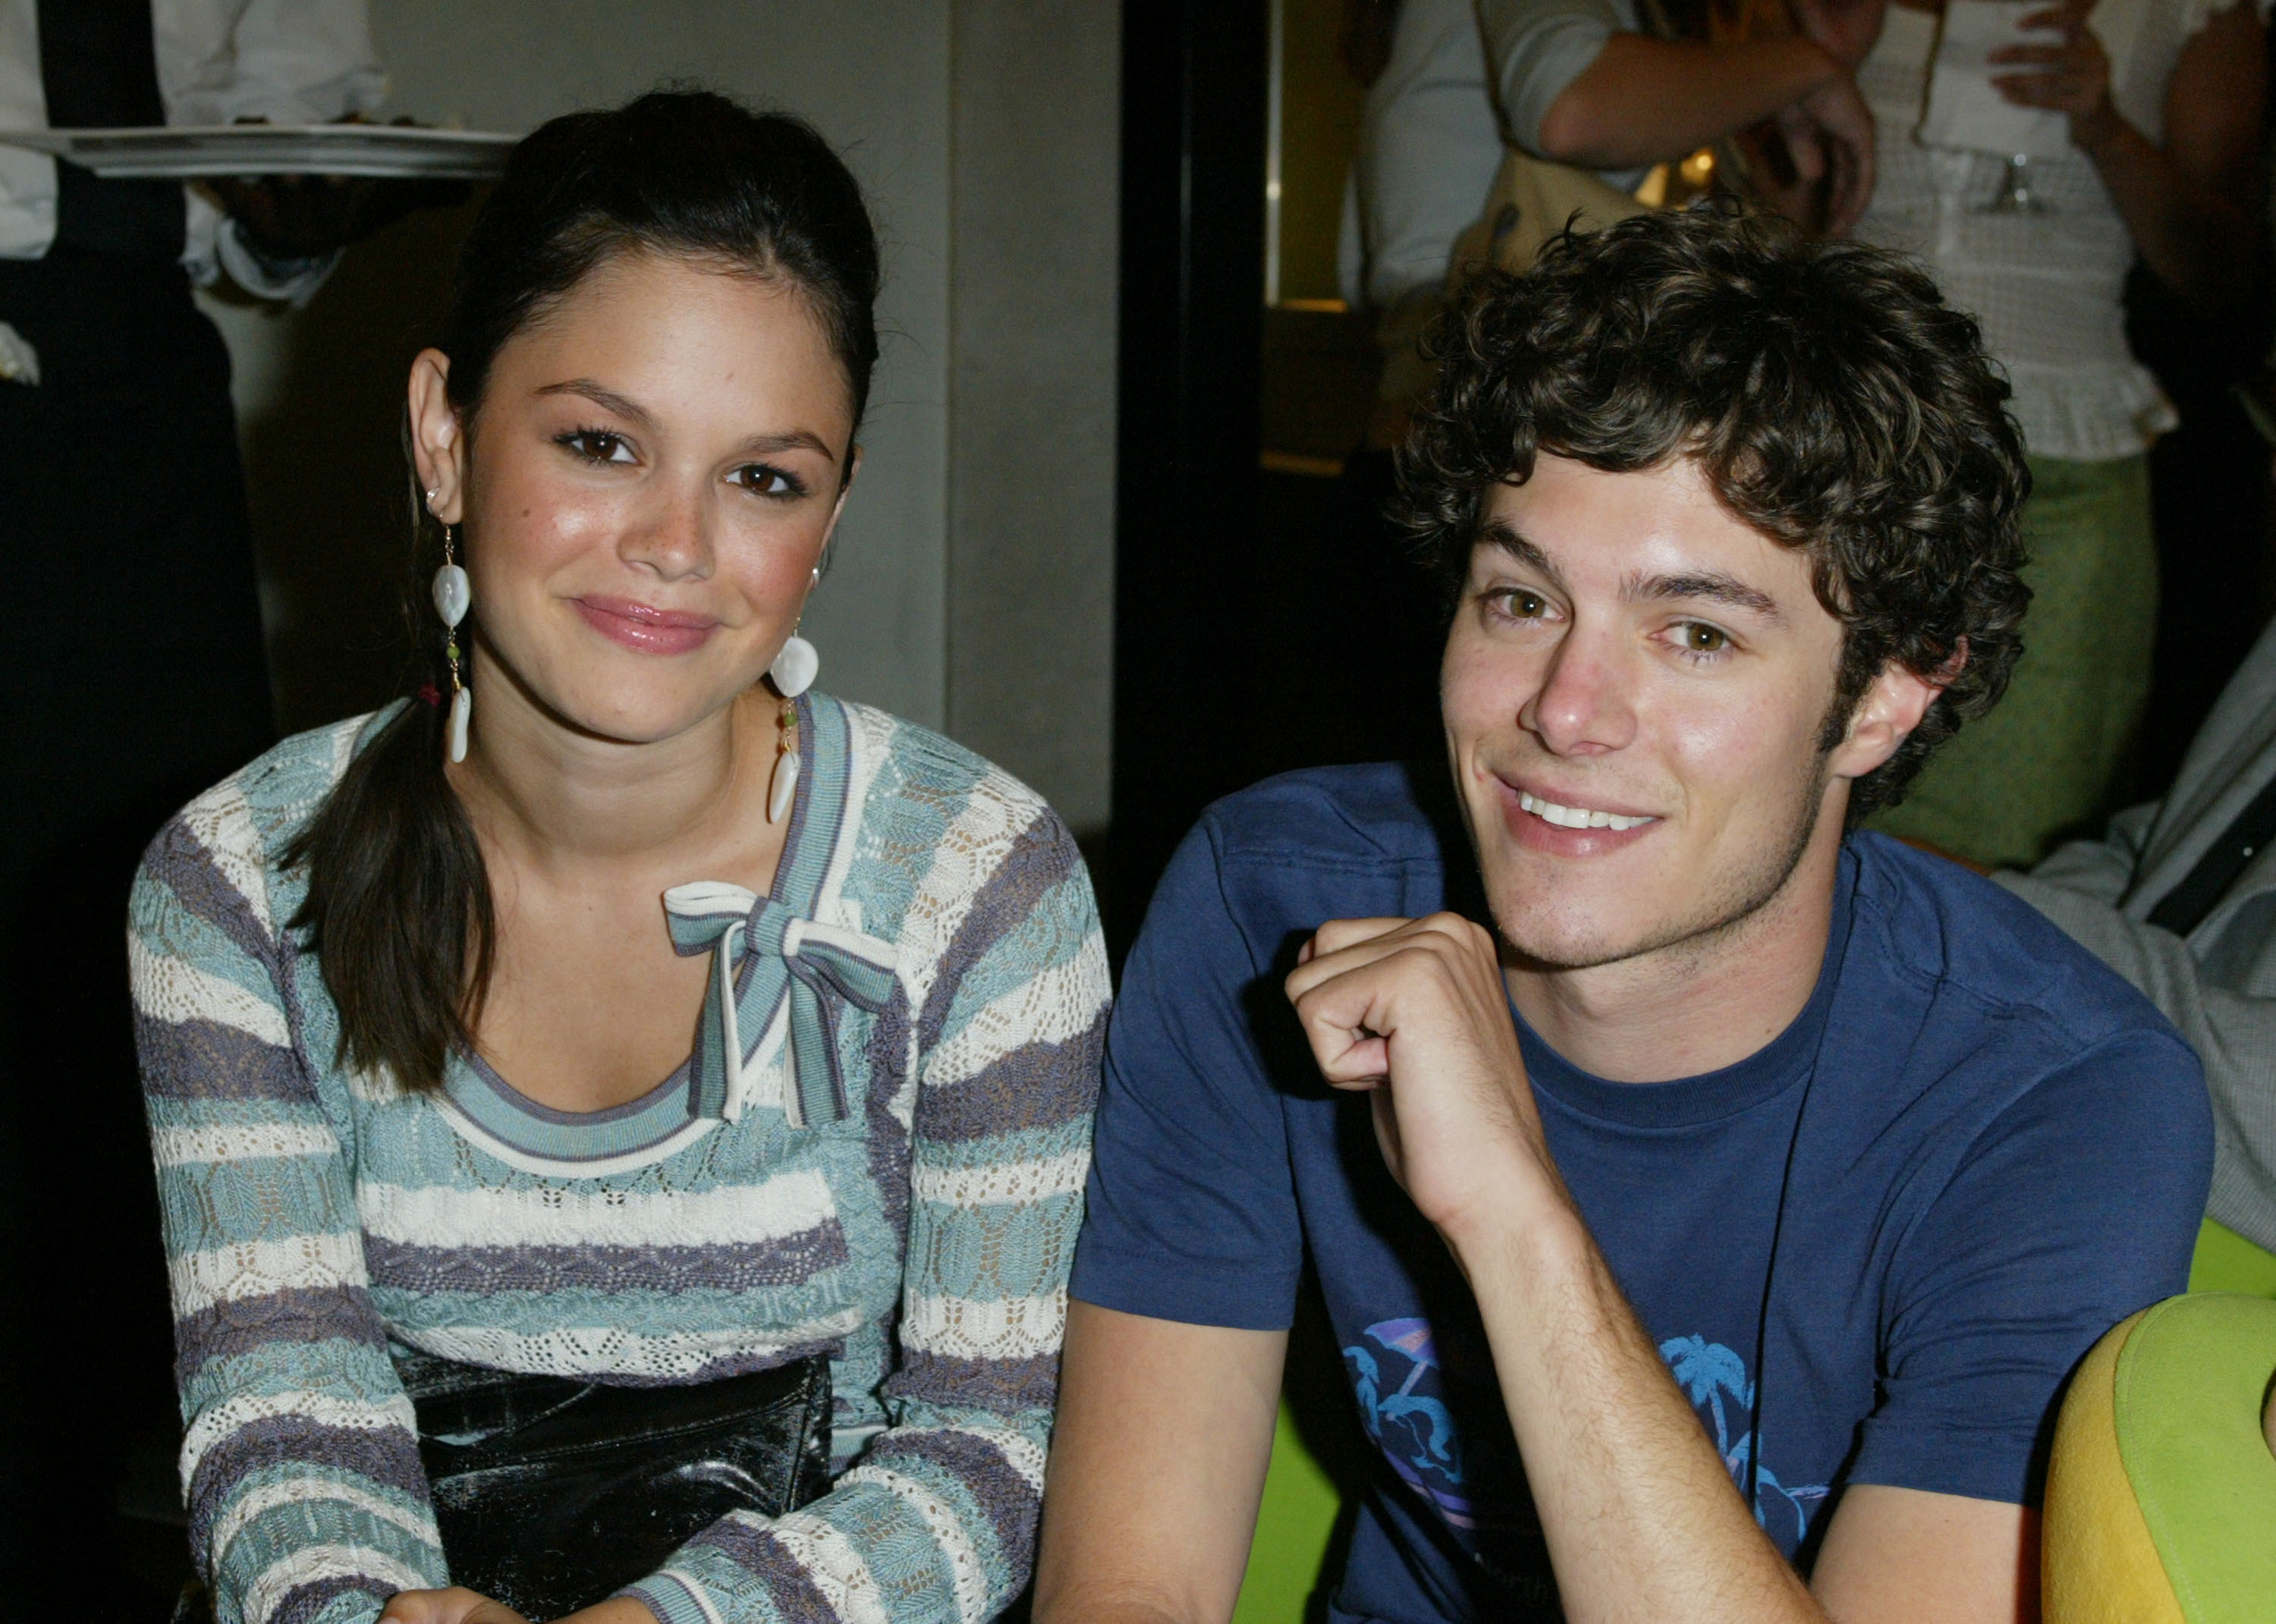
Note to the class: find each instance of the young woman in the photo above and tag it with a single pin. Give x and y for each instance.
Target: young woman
(2165, 100)
(462, 1292)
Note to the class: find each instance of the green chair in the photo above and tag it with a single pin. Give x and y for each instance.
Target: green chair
(2161, 1492)
(2226, 1261)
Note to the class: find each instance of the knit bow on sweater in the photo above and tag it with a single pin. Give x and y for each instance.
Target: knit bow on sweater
(820, 968)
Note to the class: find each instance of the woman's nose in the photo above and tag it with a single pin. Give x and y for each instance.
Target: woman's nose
(671, 535)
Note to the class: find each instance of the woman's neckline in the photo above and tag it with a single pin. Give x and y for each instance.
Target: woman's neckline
(509, 1121)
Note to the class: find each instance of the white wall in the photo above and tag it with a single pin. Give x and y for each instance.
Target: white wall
(1029, 89)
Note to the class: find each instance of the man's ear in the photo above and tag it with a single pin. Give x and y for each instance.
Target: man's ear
(437, 444)
(1888, 712)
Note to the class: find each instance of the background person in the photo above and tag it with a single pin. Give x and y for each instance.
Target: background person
(132, 669)
(2179, 897)
(1612, 86)
(1736, 1209)
(2165, 100)
(403, 1014)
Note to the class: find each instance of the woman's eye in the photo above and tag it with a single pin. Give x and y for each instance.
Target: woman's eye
(764, 479)
(1696, 637)
(599, 445)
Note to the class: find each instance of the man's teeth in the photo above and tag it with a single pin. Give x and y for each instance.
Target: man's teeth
(1575, 817)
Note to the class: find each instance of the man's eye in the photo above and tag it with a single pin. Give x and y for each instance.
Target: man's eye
(1697, 638)
(1523, 605)
(763, 479)
(599, 445)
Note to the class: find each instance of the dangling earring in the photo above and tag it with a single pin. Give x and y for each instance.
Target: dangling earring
(793, 671)
(453, 595)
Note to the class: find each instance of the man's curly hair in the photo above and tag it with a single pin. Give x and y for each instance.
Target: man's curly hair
(1833, 400)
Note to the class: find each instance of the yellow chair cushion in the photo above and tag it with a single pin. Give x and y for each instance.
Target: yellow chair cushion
(2161, 1494)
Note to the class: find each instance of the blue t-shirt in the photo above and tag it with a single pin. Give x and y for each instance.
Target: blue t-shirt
(1871, 1252)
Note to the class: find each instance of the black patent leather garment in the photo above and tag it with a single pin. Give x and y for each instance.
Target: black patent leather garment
(553, 1493)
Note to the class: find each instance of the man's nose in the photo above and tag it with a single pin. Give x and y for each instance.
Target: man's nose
(1585, 703)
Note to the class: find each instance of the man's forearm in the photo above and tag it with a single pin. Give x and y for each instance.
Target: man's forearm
(1647, 101)
(1642, 1517)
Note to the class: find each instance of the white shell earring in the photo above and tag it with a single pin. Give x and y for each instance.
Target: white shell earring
(454, 594)
(795, 668)
(793, 671)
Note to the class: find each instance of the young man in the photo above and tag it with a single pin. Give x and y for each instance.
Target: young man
(1733, 1210)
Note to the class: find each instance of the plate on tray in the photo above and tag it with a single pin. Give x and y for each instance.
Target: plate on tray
(380, 151)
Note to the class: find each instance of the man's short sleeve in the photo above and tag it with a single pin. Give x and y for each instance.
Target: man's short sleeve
(2078, 1205)
(1192, 1208)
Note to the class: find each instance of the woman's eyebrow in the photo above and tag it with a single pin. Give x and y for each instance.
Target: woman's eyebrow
(623, 405)
(790, 439)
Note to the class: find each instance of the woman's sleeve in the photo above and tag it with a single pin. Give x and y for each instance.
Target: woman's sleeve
(299, 1459)
(936, 1525)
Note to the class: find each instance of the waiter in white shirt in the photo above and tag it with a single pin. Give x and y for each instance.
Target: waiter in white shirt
(132, 663)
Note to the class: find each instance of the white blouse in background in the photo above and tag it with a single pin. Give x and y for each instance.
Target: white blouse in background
(2046, 286)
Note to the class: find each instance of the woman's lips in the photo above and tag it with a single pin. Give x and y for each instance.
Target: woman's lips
(645, 627)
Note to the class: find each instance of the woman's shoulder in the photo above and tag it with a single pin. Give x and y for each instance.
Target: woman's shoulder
(247, 821)
(940, 829)
(926, 774)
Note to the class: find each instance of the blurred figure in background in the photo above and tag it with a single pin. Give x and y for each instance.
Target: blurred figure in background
(2179, 897)
(2164, 100)
(1591, 93)
(1610, 88)
(132, 662)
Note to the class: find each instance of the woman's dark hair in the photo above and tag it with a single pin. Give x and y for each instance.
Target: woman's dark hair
(398, 907)
(1833, 400)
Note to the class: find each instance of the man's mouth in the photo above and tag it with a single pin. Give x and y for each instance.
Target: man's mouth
(1578, 817)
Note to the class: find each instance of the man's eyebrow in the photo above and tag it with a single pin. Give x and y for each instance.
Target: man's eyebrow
(1711, 585)
(1497, 534)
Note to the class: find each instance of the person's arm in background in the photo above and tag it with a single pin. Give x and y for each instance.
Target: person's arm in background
(289, 62)
(2079, 887)
(1578, 88)
(2191, 205)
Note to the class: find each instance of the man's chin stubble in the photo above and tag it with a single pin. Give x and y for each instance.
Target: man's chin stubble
(1729, 912)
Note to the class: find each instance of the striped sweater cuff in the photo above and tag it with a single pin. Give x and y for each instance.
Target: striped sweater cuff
(674, 1597)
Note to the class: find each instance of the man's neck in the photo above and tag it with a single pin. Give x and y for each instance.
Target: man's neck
(1702, 1004)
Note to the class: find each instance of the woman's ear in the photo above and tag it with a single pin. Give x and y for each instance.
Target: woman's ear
(436, 444)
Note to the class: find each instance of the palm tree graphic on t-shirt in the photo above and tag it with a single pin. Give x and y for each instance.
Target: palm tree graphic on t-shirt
(1401, 1387)
(1714, 1378)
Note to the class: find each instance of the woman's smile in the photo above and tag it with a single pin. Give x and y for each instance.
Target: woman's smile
(644, 627)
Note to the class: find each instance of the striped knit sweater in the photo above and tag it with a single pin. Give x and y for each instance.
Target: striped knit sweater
(919, 1230)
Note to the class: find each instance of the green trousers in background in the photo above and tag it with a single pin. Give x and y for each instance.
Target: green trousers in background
(2053, 758)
